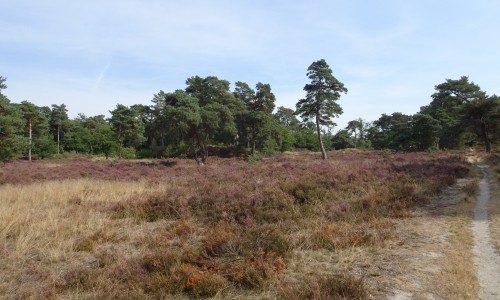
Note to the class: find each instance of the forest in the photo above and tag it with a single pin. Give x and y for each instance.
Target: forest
(207, 118)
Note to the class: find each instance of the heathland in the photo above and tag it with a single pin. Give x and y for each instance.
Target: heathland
(291, 226)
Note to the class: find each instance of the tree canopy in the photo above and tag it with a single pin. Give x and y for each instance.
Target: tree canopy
(207, 117)
(320, 103)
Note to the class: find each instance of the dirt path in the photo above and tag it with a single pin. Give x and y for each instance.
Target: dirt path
(486, 260)
(432, 255)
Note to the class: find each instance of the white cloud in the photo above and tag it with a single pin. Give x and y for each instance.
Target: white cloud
(390, 54)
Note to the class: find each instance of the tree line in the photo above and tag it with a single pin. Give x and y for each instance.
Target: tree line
(207, 117)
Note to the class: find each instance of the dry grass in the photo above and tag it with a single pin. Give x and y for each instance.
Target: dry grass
(431, 256)
(494, 203)
(230, 229)
(52, 208)
(41, 225)
(458, 279)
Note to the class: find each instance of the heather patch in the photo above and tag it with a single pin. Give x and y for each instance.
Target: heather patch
(170, 229)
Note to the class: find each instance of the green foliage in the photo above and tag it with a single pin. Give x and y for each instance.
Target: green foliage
(392, 131)
(256, 125)
(482, 117)
(387, 153)
(144, 153)
(448, 106)
(286, 117)
(103, 140)
(127, 127)
(254, 159)
(208, 115)
(12, 142)
(58, 123)
(44, 146)
(306, 137)
(343, 140)
(77, 137)
(321, 96)
(359, 128)
(186, 123)
(36, 129)
(460, 113)
(425, 132)
(285, 138)
(128, 153)
(3, 86)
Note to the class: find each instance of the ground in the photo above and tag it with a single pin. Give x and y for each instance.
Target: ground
(437, 256)
(364, 225)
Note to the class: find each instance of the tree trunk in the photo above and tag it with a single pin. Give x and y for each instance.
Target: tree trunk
(58, 142)
(253, 138)
(204, 152)
(30, 140)
(120, 151)
(484, 131)
(318, 130)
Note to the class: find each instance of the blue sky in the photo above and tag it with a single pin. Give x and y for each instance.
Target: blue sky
(91, 55)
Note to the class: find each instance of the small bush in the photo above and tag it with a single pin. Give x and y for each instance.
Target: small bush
(305, 192)
(254, 159)
(144, 153)
(333, 287)
(205, 284)
(128, 153)
(161, 261)
(471, 188)
(256, 270)
(154, 206)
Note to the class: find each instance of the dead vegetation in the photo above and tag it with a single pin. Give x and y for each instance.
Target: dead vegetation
(494, 203)
(288, 227)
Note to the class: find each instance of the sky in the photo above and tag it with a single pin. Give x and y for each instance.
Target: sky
(94, 54)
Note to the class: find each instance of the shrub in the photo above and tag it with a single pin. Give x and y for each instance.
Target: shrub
(254, 159)
(256, 270)
(334, 287)
(144, 153)
(306, 192)
(472, 187)
(128, 153)
(205, 284)
(154, 206)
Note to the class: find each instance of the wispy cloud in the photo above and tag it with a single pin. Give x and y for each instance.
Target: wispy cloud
(100, 77)
(389, 53)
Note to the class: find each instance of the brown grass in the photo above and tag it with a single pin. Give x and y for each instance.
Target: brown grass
(494, 203)
(458, 280)
(43, 224)
(230, 229)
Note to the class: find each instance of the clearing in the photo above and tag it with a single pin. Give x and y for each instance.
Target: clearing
(362, 225)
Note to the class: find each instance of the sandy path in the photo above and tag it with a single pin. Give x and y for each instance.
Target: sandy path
(486, 260)
(416, 265)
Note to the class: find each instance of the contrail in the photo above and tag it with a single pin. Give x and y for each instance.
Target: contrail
(100, 76)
